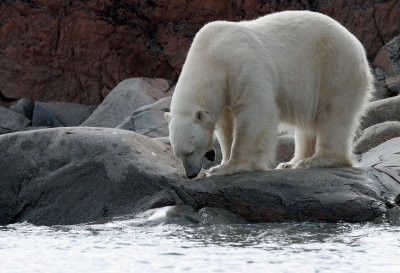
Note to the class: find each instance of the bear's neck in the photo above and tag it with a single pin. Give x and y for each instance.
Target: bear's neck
(188, 99)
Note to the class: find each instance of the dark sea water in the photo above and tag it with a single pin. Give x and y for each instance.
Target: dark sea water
(135, 246)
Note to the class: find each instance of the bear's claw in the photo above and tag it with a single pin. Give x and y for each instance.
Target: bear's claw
(285, 165)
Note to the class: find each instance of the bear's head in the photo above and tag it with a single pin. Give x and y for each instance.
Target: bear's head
(191, 139)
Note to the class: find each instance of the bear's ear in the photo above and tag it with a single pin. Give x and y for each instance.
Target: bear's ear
(202, 117)
(167, 116)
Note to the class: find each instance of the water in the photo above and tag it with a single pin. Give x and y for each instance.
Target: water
(131, 246)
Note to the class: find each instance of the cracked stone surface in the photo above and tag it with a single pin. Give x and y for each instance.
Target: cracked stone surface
(77, 51)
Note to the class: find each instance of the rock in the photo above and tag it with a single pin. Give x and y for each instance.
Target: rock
(381, 111)
(285, 149)
(219, 216)
(4, 130)
(385, 158)
(218, 157)
(387, 69)
(11, 121)
(125, 99)
(186, 215)
(388, 57)
(31, 128)
(43, 118)
(69, 114)
(375, 135)
(78, 175)
(381, 90)
(77, 51)
(352, 195)
(393, 85)
(385, 155)
(385, 86)
(23, 107)
(393, 216)
(149, 120)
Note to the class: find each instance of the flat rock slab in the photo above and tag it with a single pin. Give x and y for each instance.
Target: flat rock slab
(79, 175)
(330, 195)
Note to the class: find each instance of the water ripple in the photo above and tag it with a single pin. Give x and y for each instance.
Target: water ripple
(124, 246)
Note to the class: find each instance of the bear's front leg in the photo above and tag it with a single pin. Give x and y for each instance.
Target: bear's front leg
(254, 141)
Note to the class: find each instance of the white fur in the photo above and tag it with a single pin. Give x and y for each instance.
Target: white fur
(298, 67)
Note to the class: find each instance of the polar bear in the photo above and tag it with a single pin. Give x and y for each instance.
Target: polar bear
(241, 79)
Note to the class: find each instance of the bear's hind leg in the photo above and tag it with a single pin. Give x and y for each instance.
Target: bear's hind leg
(304, 147)
(334, 133)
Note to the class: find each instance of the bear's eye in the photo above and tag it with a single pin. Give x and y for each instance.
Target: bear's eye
(189, 154)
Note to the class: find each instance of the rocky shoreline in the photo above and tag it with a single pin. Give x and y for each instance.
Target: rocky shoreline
(66, 163)
(83, 174)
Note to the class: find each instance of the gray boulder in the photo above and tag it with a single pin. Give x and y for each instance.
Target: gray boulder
(77, 174)
(69, 114)
(43, 118)
(380, 111)
(74, 175)
(11, 121)
(23, 107)
(149, 120)
(393, 85)
(384, 156)
(375, 135)
(388, 56)
(125, 99)
(393, 215)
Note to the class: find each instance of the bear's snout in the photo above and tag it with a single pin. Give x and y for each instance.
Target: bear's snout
(192, 169)
(191, 176)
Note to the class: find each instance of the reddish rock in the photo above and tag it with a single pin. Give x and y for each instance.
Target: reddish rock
(77, 51)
